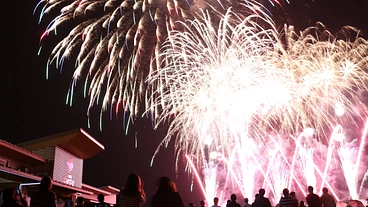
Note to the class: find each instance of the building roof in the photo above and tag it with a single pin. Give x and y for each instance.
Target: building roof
(77, 142)
(9, 175)
(12, 151)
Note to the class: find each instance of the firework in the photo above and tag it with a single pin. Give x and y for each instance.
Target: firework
(114, 43)
(230, 86)
(220, 88)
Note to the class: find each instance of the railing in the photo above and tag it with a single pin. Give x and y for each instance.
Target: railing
(4, 162)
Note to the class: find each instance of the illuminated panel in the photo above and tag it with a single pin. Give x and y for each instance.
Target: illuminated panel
(68, 168)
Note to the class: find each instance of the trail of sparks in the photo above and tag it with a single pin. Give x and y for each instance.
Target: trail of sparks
(224, 74)
(242, 81)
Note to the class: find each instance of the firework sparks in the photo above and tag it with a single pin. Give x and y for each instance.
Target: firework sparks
(228, 82)
(114, 43)
(243, 81)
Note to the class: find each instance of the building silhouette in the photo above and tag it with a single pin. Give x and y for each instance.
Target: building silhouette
(59, 156)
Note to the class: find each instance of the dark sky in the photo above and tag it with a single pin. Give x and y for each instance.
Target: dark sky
(33, 107)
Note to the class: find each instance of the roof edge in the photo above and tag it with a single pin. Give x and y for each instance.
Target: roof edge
(22, 151)
(46, 138)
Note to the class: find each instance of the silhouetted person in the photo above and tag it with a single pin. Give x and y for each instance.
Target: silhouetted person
(327, 199)
(9, 199)
(215, 202)
(201, 203)
(301, 204)
(191, 205)
(312, 199)
(286, 200)
(262, 201)
(80, 202)
(246, 203)
(132, 194)
(101, 201)
(233, 202)
(296, 203)
(255, 198)
(167, 194)
(44, 197)
(20, 198)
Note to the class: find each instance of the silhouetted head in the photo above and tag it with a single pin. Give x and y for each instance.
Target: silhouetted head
(257, 195)
(310, 189)
(80, 201)
(165, 185)
(261, 192)
(292, 194)
(133, 180)
(215, 200)
(324, 190)
(100, 198)
(233, 197)
(46, 183)
(246, 200)
(201, 202)
(132, 185)
(164, 181)
(285, 192)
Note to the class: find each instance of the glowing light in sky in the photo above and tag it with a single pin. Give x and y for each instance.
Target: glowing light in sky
(249, 106)
(242, 82)
(114, 44)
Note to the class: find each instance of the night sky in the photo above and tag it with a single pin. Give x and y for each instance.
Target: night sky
(33, 107)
